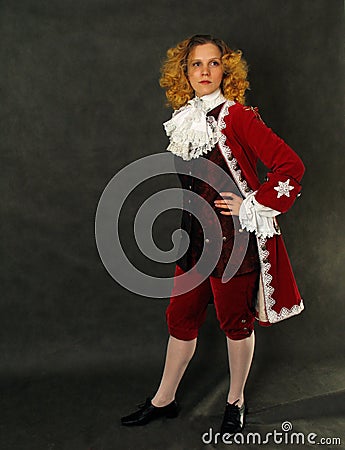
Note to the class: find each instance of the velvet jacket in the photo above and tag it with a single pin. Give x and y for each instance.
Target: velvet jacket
(244, 139)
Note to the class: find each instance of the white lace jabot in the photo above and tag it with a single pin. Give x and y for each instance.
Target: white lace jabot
(190, 130)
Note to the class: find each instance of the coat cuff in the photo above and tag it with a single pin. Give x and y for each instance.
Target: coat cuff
(258, 218)
(279, 191)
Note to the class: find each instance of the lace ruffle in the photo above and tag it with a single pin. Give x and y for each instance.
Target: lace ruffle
(191, 132)
(258, 218)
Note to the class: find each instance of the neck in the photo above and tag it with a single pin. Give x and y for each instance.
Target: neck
(212, 96)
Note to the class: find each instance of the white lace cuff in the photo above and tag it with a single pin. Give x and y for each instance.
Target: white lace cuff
(258, 218)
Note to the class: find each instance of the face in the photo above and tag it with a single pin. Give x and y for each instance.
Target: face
(204, 70)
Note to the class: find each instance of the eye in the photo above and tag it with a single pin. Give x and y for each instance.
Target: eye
(214, 63)
(196, 64)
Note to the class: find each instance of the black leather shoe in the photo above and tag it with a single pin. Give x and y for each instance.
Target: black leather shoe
(148, 412)
(234, 418)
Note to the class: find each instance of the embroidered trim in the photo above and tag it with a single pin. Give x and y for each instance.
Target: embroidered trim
(272, 315)
(283, 188)
(230, 159)
(266, 276)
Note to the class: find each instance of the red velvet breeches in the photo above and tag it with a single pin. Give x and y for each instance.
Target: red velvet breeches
(234, 303)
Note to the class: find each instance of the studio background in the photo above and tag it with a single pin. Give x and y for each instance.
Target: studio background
(80, 100)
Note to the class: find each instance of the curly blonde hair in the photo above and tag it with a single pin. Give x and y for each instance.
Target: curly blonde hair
(174, 71)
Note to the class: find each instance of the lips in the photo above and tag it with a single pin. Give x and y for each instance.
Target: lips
(205, 82)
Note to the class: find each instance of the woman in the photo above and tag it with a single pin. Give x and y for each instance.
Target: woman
(205, 83)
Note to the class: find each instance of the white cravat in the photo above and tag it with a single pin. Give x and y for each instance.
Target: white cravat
(190, 130)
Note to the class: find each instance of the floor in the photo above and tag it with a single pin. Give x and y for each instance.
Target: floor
(80, 410)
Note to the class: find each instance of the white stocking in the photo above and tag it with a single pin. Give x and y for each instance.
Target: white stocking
(178, 355)
(240, 354)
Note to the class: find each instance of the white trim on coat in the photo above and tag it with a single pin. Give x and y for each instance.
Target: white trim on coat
(265, 301)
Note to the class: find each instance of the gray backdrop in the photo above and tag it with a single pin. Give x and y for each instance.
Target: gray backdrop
(80, 100)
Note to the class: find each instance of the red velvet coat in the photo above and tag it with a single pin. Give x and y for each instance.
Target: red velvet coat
(245, 138)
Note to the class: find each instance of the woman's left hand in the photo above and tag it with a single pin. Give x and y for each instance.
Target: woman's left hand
(230, 204)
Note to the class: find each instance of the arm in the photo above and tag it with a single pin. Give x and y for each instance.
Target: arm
(277, 194)
(286, 169)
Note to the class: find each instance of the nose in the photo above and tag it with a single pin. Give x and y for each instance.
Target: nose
(205, 70)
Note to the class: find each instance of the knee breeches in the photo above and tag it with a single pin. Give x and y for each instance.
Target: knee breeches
(234, 303)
